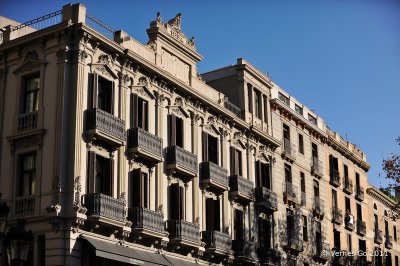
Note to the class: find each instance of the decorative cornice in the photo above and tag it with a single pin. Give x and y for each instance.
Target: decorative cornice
(380, 196)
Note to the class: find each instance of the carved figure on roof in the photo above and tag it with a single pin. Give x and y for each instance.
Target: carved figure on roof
(159, 20)
(176, 21)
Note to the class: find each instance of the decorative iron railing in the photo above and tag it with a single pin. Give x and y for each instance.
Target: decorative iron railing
(183, 230)
(25, 206)
(104, 206)
(182, 158)
(378, 236)
(388, 241)
(100, 26)
(267, 197)
(243, 248)
(319, 206)
(317, 166)
(233, 108)
(241, 185)
(217, 240)
(140, 138)
(361, 227)
(335, 178)
(28, 121)
(214, 173)
(303, 201)
(359, 192)
(289, 148)
(105, 122)
(290, 191)
(337, 216)
(348, 185)
(143, 218)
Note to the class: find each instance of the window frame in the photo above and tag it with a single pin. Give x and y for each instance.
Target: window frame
(35, 92)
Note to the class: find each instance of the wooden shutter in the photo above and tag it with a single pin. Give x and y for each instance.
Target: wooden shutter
(110, 177)
(112, 98)
(134, 184)
(134, 110)
(232, 159)
(145, 190)
(205, 146)
(94, 90)
(174, 201)
(171, 130)
(331, 165)
(216, 215)
(144, 114)
(91, 173)
(181, 203)
(258, 174)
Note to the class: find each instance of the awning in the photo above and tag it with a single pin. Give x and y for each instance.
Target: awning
(178, 262)
(124, 254)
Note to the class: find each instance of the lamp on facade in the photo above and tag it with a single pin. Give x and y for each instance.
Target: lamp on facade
(4, 210)
(17, 243)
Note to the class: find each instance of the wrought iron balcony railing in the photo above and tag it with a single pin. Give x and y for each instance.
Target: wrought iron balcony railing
(388, 241)
(335, 178)
(359, 192)
(28, 121)
(317, 167)
(319, 206)
(266, 198)
(294, 242)
(233, 108)
(241, 188)
(303, 201)
(361, 228)
(289, 150)
(349, 222)
(322, 251)
(245, 251)
(25, 206)
(217, 240)
(290, 192)
(378, 236)
(181, 161)
(348, 185)
(144, 144)
(183, 231)
(144, 219)
(269, 256)
(104, 206)
(214, 176)
(105, 126)
(337, 216)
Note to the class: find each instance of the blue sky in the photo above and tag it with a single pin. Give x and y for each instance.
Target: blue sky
(340, 58)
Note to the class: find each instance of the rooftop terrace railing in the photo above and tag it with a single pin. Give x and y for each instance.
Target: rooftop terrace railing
(100, 26)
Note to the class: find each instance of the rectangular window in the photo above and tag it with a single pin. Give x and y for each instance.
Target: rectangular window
(305, 231)
(176, 202)
(212, 214)
(105, 95)
(298, 109)
(345, 172)
(139, 112)
(103, 176)
(265, 109)
(31, 94)
(288, 173)
(336, 240)
(357, 179)
(303, 182)
(312, 119)
(347, 205)
(376, 225)
(349, 244)
(250, 98)
(314, 150)
(263, 178)
(286, 132)
(334, 199)
(359, 212)
(257, 104)
(386, 229)
(316, 188)
(238, 230)
(394, 233)
(139, 189)
(333, 167)
(283, 98)
(396, 261)
(41, 250)
(27, 174)
(236, 162)
(301, 144)
(265, 233)
(175, 131)
(210, 148)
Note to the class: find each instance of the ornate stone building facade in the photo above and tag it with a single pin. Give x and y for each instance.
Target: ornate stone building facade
(117, 152)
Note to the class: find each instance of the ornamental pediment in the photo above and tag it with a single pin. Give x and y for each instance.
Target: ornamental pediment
(104, 69)
(178, 111)
(29, 66)
(143, 90)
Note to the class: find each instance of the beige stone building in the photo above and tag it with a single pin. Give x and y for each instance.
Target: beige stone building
(116, 152)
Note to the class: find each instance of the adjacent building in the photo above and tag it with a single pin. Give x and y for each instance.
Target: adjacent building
(118, 152)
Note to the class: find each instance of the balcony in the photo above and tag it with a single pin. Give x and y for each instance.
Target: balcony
(335, 178)
(27, 122)
(217, 243)
(181, 161)
(294, 243)
(317, 168)
(245, 252)
(349, 222)
(105, 209)
(104, 127)
(378, 237)
(361, 228)
(266, 199)
(337, 216)
(289, 150)
(290, 192)
(359, 193)
(213, 176)
(348, 186)
(340, 259)
(322, 251)
(143, 144)
(241, 188)
(147, 223)
(319, 207)
(389, 242)
(183, 233)
(25, 206)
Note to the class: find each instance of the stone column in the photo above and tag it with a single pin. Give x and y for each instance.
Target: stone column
(159, 131)
(195, 149)
(123, 82)
(225, 164)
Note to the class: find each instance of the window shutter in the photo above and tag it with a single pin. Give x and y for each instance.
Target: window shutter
(144, 115)
(112, 104)
(94, 90)
(209, 214)
(91, 171)
(181, 203)
(331, 165)
(172, 131)
(216, 215)
(145, 196)
(232, 159)
(205, 146)
(134, 110)
(174, 201)
(217, 152)
(134, 184)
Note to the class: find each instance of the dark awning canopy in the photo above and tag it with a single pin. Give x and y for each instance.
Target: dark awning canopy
(124, 254)
(178, 262)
